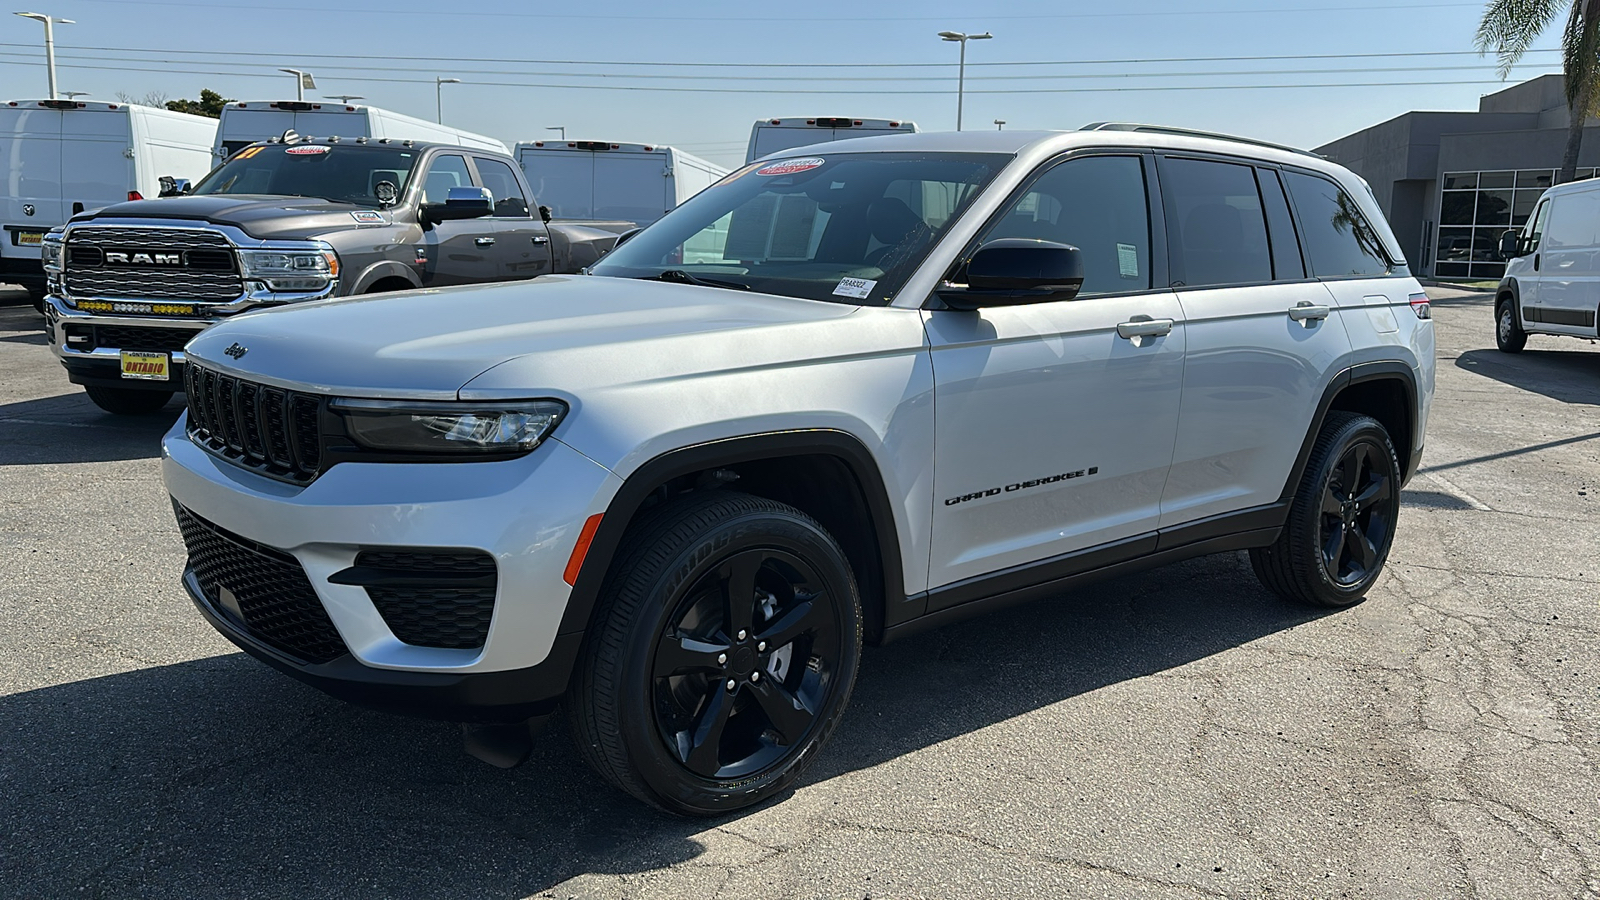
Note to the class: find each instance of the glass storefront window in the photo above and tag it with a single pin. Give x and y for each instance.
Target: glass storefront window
(1536, 178)
(1458, 180)
(1456, 207)
(1496, 179)
(1475, 208)
(1494, 208)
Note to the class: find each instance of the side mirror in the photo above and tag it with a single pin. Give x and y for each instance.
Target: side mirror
(173, 187)
(625, 237)
(544, 213)
(1510, 245)
(460, 203)
(1017, 271)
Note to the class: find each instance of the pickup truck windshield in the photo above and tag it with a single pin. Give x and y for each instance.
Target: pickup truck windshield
(845, 227)
(348, 173)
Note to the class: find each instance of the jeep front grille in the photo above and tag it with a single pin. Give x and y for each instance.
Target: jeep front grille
(205, 269)
(268, 429)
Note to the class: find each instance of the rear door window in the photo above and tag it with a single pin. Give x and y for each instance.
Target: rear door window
(1339, 241)
(1216, 223)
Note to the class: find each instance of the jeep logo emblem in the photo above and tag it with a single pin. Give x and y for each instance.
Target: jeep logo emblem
(143, 259)
(235, 350)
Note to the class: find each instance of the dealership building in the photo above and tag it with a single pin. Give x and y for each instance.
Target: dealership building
(1452, 182)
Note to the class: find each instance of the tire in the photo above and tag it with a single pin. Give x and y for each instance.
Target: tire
(650, 708)
(1338, 534)
(1508, 333)
(127, 401)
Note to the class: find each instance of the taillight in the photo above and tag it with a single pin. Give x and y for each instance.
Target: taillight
(1419, 305)
(135, 195)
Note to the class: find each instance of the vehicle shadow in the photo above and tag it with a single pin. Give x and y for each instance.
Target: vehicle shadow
(37, 339)
(221, 777)
(70, 429)
(1570, 376)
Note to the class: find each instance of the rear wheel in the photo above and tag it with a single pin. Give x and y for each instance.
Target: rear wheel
(724, 651)
(1508, 333)
(126, 401)
(1341, 523)
(36, 297)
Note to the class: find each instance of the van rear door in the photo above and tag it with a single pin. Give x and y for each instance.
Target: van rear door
(30, 158)
(631, 186)
(96, 158)
(562, 180)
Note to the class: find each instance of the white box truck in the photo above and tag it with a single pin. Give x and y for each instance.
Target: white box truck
(771, 135)
(60, 157)
(606, 180)
(244, 123)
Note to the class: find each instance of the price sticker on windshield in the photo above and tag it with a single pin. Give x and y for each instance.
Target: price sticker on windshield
(791, 166)
(311, 150)
(855, 288)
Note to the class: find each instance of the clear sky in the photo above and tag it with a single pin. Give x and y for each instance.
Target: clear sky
(696, 75)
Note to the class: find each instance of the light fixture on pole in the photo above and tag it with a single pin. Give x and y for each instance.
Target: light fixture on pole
(73, 95)
(343, 98)
(438, 95)
(999, 124)
(961, 76)
(49, 43)
(560, 128)
(302, 81)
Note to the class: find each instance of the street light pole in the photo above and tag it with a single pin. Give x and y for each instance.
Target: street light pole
(438, 95)
(49, 43)
(961, 72)
(999, 124)
(302, 80)
(560, 128)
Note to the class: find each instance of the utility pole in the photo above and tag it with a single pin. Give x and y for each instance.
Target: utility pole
(49, 43)
(438, 95)
(961, 76)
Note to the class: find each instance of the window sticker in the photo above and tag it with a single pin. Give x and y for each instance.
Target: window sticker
(791, 166)
(1128, 260)
(855, 288)
(310, 150)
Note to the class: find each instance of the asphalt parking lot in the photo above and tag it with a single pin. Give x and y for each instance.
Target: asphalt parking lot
(1177, 734)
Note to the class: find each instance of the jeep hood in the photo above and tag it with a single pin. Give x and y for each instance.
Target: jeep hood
(565, 334)
(260, 216)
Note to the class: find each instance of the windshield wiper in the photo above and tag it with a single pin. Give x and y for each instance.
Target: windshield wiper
(679, 276)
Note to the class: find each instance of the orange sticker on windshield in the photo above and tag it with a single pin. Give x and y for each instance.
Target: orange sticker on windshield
(791, 166)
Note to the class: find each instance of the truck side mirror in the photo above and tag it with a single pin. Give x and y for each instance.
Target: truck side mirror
(1017, 271)
(1509, 241)
(544, 213)
(460, 203)
(173, 187)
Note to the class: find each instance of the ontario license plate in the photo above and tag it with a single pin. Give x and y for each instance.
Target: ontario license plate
(29, 238)
(146, 366)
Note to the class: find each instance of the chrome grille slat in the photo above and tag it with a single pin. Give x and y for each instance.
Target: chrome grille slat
(213, 280)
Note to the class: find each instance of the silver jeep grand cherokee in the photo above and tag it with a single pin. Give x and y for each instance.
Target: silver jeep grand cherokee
(847, 394)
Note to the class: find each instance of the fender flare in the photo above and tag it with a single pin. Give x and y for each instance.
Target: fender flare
(644, 480)
(1510, 286)
(1357, 374)
(386, 268)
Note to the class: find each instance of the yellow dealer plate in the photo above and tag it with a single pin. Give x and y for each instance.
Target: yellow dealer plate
(29, 238)
(148, 366)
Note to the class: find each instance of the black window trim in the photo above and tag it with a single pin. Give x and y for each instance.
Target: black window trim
(1155, 220)
(1399, 269)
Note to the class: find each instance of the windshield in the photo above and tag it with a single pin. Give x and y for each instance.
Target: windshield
(849, 228)
(346, 173)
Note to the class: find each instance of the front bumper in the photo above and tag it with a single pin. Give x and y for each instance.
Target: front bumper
(102, 365)
(526, 513)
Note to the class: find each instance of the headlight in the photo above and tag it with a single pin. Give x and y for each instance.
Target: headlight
(403, 426)
(50, 252)
(290, 270)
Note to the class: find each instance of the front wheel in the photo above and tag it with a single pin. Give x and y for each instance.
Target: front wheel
(1341, 523)
(1508, 333)
(126, 401)
(724, 650)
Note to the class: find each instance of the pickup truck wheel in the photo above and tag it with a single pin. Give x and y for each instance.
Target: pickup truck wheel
(724, 650)
(1341, 523)
(1508, 333)
(126, 401)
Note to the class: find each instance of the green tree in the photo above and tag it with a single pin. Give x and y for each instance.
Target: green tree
(1509, 28)
(209, 104)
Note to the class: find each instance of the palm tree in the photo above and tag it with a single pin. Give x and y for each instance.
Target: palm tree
(1509, 28)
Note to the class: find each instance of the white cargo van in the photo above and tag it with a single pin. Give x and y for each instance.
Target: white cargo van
(1552, 280)
(245, 123)
(771, 135)
(605, 180)
(58, 157)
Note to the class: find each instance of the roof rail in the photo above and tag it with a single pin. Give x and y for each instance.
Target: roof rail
(1191, 132)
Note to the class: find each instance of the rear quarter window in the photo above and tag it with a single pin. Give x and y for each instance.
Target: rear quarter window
(1339, 241)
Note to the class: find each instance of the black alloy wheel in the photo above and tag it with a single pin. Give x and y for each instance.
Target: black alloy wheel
(723, 650)
(1342, 520)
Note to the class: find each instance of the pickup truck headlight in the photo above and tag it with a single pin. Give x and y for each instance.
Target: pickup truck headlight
(50, 252)
(290, 270)
(407, 427)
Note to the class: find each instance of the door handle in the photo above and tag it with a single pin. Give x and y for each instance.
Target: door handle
(484, 242)
(1536, 262)
(540, 239)
(1144, 326)
(1305, 310)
